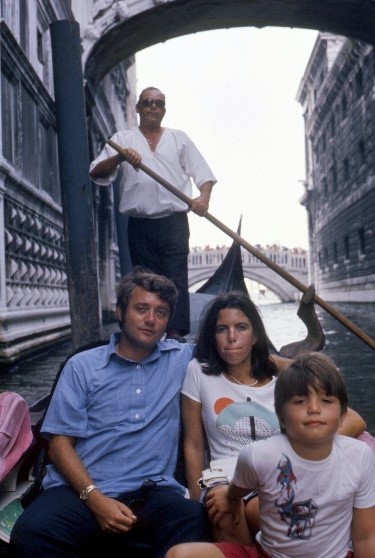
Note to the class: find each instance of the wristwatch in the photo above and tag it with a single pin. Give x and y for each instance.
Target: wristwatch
(86, 491)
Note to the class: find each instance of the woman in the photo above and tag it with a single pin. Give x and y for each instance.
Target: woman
(228, 398)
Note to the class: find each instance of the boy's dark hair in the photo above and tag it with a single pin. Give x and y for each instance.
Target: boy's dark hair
(309, 369)
(206, 350)
(149, 281)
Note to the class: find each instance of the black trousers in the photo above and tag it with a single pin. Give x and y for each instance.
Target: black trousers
(57, 524)
(162, 245)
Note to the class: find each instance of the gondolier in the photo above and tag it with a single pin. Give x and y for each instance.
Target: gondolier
(158, 228)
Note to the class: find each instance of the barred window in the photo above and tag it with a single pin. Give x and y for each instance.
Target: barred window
(9, 118)
(28, 110)
(39, 39)
(24, 26)
(48, 173)
(335, 253)
(361, 240)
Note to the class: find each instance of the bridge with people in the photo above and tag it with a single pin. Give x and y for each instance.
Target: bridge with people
(203, 263)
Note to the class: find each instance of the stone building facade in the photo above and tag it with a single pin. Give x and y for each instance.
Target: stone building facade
(34, 302)
(34, 307)
(337, 93)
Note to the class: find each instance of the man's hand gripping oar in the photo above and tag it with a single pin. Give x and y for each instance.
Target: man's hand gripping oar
(197, 205)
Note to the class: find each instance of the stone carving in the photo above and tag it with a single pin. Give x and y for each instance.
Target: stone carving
(35, 260)
(109, 13)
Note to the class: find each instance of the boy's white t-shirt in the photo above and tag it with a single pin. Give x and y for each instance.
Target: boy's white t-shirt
(306, 506)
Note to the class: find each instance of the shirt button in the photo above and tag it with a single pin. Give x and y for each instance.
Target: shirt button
(137, 416)
(138, 391)
(138, 366)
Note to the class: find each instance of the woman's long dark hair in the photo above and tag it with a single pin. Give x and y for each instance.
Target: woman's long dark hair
(206, 349)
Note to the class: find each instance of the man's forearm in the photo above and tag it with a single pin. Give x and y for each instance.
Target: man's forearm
(106, 167)
(66, 460)
(206, 189)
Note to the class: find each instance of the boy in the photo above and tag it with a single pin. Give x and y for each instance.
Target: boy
(316, 488)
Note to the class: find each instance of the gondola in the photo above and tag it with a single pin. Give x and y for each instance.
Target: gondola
(19, 482)
(229, 276)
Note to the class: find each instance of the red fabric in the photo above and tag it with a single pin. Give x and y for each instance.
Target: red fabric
(15, 430)
(234, 550)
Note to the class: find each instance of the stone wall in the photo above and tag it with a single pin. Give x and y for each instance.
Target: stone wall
(337, 92)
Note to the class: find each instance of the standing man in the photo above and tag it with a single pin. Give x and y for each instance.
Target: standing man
(113, 429)
(158, 227)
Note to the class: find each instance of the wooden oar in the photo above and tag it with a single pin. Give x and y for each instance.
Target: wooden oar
(257, 253)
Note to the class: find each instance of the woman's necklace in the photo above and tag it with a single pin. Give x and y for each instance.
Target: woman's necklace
(241, 383)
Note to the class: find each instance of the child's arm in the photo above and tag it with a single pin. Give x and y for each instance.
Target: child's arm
(363, 532)
(236, 493)
(352, 424)
(228, 500)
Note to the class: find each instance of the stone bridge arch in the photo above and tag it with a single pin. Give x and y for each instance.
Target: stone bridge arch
(148, 22)
(281, 288)
(203, 263)
(283, 291)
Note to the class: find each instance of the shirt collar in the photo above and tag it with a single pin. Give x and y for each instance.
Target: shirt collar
(161, 347)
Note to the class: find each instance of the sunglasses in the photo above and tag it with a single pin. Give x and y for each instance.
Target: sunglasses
(146, 103)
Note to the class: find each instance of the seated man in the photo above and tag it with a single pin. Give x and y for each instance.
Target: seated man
(113, 427)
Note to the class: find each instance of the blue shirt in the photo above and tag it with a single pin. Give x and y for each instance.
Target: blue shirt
(124, 415)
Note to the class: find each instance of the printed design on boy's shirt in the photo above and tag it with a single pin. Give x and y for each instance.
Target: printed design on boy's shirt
(300, 516)
(239, 423)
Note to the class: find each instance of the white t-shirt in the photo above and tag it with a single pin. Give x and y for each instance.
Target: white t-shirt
(233, 415)
(306, 506)
(175, 159)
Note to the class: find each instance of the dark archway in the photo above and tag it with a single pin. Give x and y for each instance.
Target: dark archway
(351, 18)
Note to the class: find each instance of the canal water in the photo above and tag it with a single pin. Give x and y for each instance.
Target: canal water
(33, 377)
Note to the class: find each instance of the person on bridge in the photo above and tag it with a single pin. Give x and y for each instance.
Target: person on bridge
(113, 429)
(158, 227)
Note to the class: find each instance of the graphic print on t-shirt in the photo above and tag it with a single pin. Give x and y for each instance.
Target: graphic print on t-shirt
(240, 423)
(300, 516)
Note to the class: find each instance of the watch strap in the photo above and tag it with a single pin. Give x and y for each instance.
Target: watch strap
(86, 491)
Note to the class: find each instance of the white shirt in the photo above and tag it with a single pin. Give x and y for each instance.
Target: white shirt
(306, 506)
(233, 415)
(175, 159)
